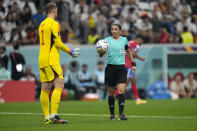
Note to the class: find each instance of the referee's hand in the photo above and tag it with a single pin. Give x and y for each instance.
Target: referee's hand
(75, 52)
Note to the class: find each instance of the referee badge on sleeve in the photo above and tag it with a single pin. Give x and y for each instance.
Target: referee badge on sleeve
(58, 33)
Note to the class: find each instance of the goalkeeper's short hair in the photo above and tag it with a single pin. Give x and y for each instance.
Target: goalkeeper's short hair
(49, 7)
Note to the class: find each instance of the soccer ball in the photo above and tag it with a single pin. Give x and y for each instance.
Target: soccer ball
(102, 45)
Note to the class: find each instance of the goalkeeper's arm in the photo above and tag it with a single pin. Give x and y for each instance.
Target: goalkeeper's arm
(59, 44)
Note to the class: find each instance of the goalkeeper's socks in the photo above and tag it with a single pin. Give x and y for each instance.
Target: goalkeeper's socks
(55, 100)
(111, 102)
(44, 100)
(47, 120)
(47, 117)
(121, 102)
(53, 115)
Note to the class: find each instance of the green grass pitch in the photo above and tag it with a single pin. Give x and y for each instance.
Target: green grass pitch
(156, 115)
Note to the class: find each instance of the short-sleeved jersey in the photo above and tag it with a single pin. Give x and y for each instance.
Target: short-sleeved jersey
(116, 50)
(50, 43)
(133, 46)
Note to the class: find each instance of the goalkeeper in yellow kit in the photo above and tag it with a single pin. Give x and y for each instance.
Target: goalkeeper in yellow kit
(49, 64)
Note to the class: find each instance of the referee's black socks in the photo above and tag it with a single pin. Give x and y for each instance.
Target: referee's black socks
(111, 102)
(121, 102)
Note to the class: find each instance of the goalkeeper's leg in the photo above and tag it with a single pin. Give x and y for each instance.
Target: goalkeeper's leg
(44, 100)
(55, 101)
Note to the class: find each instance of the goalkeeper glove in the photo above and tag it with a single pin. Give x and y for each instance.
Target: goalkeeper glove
(74, 53)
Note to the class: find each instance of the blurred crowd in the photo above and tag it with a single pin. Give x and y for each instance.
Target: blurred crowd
(19, 22)
(183, 87)
(86, 21)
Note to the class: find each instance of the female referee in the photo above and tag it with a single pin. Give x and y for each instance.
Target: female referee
(115, 72)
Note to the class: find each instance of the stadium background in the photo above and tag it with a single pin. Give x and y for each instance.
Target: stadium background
(167, 50)
(83, 22)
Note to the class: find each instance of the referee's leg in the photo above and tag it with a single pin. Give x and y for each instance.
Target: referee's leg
(121, 100)
(111, 101)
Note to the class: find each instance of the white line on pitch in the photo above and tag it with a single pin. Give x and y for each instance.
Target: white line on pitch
(96, 115)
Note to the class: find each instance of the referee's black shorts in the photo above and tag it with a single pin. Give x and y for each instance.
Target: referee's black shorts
(115, 74)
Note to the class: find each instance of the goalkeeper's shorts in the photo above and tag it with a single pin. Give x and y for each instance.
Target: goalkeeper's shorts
(49, 73)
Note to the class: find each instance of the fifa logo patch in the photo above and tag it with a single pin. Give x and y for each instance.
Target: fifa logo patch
(122, 51)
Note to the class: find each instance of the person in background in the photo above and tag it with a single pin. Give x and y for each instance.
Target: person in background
(85, 80)
(67, 81)
(7, 26)
(64, 10)
(32, 33)
(99, 78)
(164, 36)
(3, 57)
(145, 28)
(187, 37)
(30, 4)
(134, 47)
(64, 32)
(93, 36)
(4, 74)
(26, 15)
(38, 17)
(17, 63)
(80, 21)
(29, 75)
(190, 85)
(177, 89)
(101, 27)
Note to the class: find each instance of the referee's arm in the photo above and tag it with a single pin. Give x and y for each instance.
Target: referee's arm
(57, 40)
(129, 53)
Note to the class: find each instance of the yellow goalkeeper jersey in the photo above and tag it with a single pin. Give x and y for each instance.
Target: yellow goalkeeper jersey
(50, 43)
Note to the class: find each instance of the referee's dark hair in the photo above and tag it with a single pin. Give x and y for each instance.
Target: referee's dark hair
(117, 24)
(49, 7)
